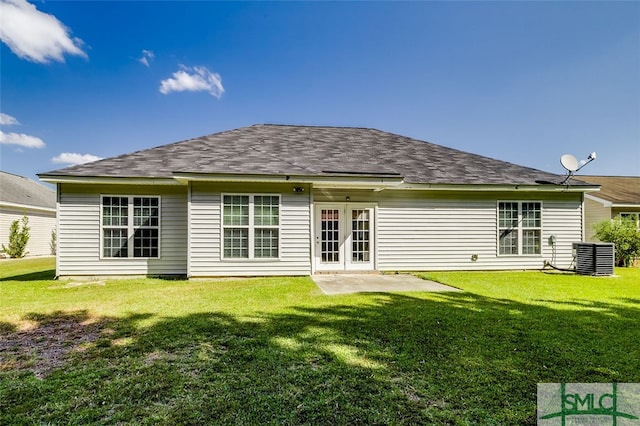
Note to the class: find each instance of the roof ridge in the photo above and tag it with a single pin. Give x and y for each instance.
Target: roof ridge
(13, 174)
(315, 126)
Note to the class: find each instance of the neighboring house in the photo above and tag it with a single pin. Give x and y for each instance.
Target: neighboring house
(618, 195)
(20, 196)
(296, 200)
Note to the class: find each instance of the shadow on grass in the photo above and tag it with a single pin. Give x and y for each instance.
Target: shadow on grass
(399, 359)
(48, 274)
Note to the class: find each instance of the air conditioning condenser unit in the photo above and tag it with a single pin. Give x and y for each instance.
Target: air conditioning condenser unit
(594, 258)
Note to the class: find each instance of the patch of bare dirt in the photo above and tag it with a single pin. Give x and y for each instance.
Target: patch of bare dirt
(46, 342)
(74, 284)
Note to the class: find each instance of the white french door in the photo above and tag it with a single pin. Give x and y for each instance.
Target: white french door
(344, 237)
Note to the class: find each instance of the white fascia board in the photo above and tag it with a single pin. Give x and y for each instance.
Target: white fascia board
(110, 180)
(625, 206)
(485, 187)
(27, 207)
(377, 183)
(356, 182)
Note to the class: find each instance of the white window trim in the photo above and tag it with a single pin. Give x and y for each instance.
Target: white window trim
(520, 228)
(251, 228)
(636, 214)
(130, 227)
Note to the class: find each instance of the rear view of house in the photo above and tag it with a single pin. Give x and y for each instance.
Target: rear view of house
(296, 200)
(20, 196)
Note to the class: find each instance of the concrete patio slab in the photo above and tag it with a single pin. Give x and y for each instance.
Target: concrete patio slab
(375, 283)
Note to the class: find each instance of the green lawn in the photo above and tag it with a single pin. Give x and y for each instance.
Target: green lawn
(277, 351)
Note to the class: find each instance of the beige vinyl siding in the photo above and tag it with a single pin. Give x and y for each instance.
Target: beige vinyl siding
(79, 234)
(438, 230)
(41, 223)
(205, 232)
(594, 212)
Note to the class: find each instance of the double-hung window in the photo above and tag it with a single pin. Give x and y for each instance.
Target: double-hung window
(635, 217)
(130, 226)
(519, 228)
(251, 226)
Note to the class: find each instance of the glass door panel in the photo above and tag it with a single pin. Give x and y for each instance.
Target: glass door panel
(330, 235)
(360, 236)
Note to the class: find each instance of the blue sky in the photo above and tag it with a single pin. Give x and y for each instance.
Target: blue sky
(523, 82)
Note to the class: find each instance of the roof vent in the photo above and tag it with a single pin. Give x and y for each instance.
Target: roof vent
(594, 258)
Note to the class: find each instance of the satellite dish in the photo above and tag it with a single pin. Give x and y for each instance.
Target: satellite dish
(570, 163)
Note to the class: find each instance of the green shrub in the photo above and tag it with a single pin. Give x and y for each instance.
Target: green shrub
(18, 238)
(623, 232)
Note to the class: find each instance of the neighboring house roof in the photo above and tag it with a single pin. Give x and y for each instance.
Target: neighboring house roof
(23, 192)
(618, 190)
(285, 150)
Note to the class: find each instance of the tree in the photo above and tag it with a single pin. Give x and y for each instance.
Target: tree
(623, 232)
(53, 244)
(18, 238)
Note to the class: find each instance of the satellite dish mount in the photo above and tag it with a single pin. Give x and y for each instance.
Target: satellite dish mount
(571, 164)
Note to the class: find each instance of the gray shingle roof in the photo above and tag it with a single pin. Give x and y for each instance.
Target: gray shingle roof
(312, 151)
(21, 190)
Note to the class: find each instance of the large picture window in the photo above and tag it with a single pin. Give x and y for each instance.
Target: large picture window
(519, 228)
(251, 226)
(130, 226)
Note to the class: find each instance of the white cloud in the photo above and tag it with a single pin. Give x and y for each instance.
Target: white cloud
(74, 158)
(7, 120)
(196, 79)
(146, 58)
(34, 35)
(21, 139)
